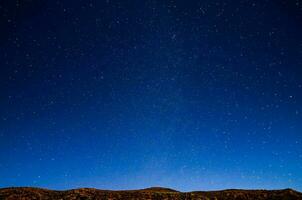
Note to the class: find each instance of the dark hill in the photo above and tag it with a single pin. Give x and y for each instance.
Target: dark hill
(153, 193)
(158, 189)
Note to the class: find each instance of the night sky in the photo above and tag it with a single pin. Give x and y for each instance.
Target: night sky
(191, 95)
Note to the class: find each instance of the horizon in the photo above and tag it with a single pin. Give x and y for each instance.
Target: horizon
(152, 188)
(127, 94)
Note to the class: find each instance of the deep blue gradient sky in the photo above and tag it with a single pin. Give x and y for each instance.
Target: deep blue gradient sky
(192, 95)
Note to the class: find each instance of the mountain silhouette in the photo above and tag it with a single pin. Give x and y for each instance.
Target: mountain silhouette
(152, 193)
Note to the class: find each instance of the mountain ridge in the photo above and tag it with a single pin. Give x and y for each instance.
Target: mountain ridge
(151, 193)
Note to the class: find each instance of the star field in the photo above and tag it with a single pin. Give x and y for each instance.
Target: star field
(192, 95)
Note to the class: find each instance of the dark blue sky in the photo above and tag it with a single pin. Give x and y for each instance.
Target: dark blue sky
(193, 95)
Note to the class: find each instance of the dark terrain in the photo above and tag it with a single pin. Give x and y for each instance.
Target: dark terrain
(149, 193)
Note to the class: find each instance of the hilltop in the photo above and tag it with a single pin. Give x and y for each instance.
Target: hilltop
(153, 193)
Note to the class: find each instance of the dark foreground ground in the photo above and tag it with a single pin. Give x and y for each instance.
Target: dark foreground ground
(148, 194)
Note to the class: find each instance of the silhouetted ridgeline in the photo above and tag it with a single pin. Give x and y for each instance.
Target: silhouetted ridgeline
(155, 193)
